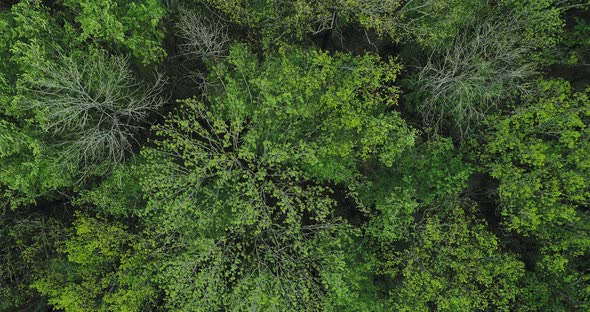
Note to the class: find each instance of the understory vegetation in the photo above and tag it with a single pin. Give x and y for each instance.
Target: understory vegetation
(295, 155)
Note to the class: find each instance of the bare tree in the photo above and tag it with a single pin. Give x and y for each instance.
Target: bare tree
(93, 106)
(485, 64)
(203, 36)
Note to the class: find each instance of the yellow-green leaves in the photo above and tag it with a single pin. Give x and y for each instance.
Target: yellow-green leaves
(454, 264)
(538, 156)
(541, 156)
(333, 110)
(133, 26)
(104, 267)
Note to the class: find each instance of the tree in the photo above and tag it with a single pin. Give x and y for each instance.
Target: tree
(29, 169)
(478, 57)
(463, 83)
(28, 244)
(248, 220)
(454, 264)
(32, 35)
(92, 106)
(127, 26)
(101, 268)
(426, 177)
(335, 110)
(539, 154)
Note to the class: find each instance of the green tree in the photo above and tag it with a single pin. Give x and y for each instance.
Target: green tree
(425, 178)
(539, 154)
(101, 268)
(335, 110)
(127, 26)
(248, 220)
(454, 264)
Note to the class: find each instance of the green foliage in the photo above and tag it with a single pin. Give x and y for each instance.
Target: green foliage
(120, 194)
(576, 42)
(348, 273)
(6, 70)
(454, 264)
(289, 179)
(540, 156)
(434, 23)
(133, 26)
(281, 21)
(27, 246)
(542, 25)
(435, 170)
(333, 110)
(425, 177)
(28, 171)
(100, 270)
(247, 220)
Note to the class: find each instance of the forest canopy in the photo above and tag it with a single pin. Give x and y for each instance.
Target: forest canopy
(295, 155)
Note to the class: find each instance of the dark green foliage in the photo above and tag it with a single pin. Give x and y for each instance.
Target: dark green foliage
(426, 177)
(133, 26)
(29, 169)
(434, 23)
(28, 243)
(285, 20)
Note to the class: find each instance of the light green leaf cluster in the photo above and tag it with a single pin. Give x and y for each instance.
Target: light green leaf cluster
(541, 159)
(104, 269)
(331, 110)
(454, 263)
(134, 26)
(27, 170)
(540, 155)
